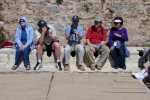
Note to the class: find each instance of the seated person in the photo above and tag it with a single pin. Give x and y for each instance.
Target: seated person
(96, 40)
(24, 39)
(47, 41)
(74, 33)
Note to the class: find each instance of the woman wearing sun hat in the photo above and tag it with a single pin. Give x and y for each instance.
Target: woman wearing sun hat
(117, 37)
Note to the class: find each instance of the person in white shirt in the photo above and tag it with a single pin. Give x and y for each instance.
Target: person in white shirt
(47, 41)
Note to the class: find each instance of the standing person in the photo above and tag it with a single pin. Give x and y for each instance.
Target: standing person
(74, 33)
(117, 37)
(96, 40)
(47, 41)
(24, 39)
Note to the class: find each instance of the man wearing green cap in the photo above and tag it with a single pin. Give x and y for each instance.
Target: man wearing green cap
(96, 39)
(47, 41)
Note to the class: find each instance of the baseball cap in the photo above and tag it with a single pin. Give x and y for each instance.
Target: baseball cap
(41, 23)
(98, 18)
(75, 18)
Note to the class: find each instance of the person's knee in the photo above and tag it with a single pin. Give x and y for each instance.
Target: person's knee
(87, 49)
(56, 45)
(39, 47)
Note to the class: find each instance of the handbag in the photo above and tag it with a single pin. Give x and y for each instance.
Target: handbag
(127, 52)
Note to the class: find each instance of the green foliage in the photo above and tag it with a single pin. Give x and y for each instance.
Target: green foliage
(111, 10)
(59, 2)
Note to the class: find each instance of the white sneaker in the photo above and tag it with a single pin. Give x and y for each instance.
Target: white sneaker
(140, 75)
(140, 72)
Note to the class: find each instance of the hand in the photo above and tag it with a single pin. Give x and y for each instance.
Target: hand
(112, 48)
(75, 31)
(44, 29)
(117, 35)
(22, 47)
(103, 43)
(92, 49)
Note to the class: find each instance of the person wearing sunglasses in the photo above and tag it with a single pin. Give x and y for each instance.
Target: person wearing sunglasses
(96, 40)
(24, 40)
(117, 37)
(47, 41)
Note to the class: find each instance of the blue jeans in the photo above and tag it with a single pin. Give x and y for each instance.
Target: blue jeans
(118, 55)
(24, 54)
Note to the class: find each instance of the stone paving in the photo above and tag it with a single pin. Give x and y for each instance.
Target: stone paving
(71, 86)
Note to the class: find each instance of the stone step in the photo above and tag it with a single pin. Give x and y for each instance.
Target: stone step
(7, 58)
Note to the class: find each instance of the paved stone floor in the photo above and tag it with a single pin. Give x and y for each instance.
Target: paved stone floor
(71, 86)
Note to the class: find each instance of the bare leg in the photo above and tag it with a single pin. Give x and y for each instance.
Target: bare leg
(56, 47)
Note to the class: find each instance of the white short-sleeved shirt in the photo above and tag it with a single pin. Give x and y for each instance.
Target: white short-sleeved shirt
(46, 38)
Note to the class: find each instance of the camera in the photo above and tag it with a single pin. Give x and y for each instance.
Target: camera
(141, 53)
(73, 52)
(72, 32)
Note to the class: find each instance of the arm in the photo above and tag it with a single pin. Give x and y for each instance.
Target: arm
(18, 38)
(88, 36)
(30, 38)
(125, 35)
(67, 32)
(110, 38)
(79, 33)
(52, 34)
(104, 37)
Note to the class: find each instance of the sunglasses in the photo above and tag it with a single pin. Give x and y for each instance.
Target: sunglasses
(22, 21)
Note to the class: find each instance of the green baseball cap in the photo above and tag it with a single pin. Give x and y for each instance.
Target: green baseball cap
(41, 23)
(98, 18)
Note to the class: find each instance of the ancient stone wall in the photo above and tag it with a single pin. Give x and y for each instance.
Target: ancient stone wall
(136, 14)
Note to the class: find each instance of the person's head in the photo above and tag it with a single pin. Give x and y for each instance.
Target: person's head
(118, 22)
(41, 24)
(23, 22)
(97, 22)
(75, 20)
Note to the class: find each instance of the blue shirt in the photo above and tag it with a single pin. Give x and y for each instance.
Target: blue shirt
(23, 37)
(73, 37)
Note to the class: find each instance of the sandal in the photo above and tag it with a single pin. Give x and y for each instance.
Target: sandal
(14, 67)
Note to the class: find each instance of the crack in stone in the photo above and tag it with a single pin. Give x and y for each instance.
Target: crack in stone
(51, 80)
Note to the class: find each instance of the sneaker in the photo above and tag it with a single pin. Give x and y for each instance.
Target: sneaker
(58, 66)
(38, 66)
(98, 67)
(28, 67)
(81, 68)
(14, 67)
(140, 72)
(124, 67)
(66, 67)
(140, 76)
(92, 67)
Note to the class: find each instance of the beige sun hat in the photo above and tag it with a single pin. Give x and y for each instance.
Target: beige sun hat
(98, 18)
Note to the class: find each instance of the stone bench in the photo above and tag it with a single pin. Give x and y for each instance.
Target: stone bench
(7, 58)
